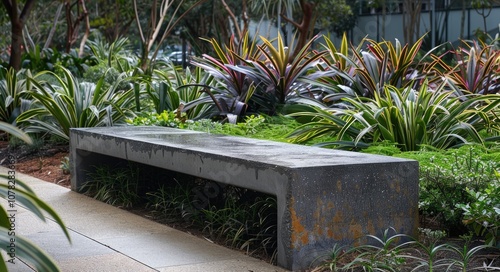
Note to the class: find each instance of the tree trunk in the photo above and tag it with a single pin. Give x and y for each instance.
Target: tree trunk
(17, 22)
(411, 20)
(305, 26)
(16, 45)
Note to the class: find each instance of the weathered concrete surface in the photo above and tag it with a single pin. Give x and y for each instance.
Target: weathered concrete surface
(324, 196)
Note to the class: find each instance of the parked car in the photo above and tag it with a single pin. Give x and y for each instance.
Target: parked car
(176, 57)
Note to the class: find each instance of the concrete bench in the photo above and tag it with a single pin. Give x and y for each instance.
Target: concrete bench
(323, 196)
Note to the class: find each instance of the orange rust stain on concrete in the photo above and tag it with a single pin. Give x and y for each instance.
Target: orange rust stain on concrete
(318, 218)
(330, 233)
(396, 185)
(339, 186)
(370, 227)
(299, 233)
(338, 218)
(337, 221)
(356, 231)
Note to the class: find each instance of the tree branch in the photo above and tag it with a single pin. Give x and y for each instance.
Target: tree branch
(233, 18)
(87, 29)
(137, 21)
(53, 29)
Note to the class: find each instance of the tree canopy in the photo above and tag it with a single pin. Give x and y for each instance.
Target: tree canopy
(65, 24)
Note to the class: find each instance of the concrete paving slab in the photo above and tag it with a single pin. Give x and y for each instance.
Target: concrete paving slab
(103, 263)
(224, 266)
(171, 249)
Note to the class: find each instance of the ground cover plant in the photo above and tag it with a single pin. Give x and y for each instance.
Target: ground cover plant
(235, 217)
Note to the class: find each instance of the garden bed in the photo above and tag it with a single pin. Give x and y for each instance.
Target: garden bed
(45, 164)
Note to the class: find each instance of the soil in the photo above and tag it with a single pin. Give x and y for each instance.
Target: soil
(43, 163)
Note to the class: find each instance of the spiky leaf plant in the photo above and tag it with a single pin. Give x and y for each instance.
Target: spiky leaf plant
(71, 104)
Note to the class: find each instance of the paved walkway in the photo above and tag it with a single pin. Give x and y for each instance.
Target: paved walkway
(106, 238)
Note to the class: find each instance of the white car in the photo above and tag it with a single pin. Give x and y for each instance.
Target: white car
(176, 57)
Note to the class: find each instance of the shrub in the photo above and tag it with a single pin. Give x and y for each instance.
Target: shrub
(71, 104)
(446, 177)
(13, 95)
(483, 212)
(407, 117)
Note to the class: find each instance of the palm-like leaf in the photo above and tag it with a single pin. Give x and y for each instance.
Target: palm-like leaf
(13, 99)
(232, 89)
(278, 75)
(366, 72)
(476, 69)
(71, 104)
(26, 250)
(406, 117)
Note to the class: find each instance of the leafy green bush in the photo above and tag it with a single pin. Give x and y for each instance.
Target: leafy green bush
(49, 59)
(364, 73)
(228, 87)
(399, 252)
(237, 217)
(446, 177)
(171, 90)
(483, 212)
(173, 203)
(164, 119)
(248, 128)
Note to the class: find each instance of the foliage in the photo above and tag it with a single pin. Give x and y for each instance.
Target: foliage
(233, 89)
(474, 70)
(48, 59)
(399, 252)
(366, 72)
(247, 128)
(115, 186)
(282, 78)
(65, 165)
(172, 203)
(71, 104)
(164, 119)
(237, 217)
(12, 95)
(173, 90)
(483, 212)
(114, 55)
(339, 16)
(25, 249)
(446, 177)
(410, 118)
